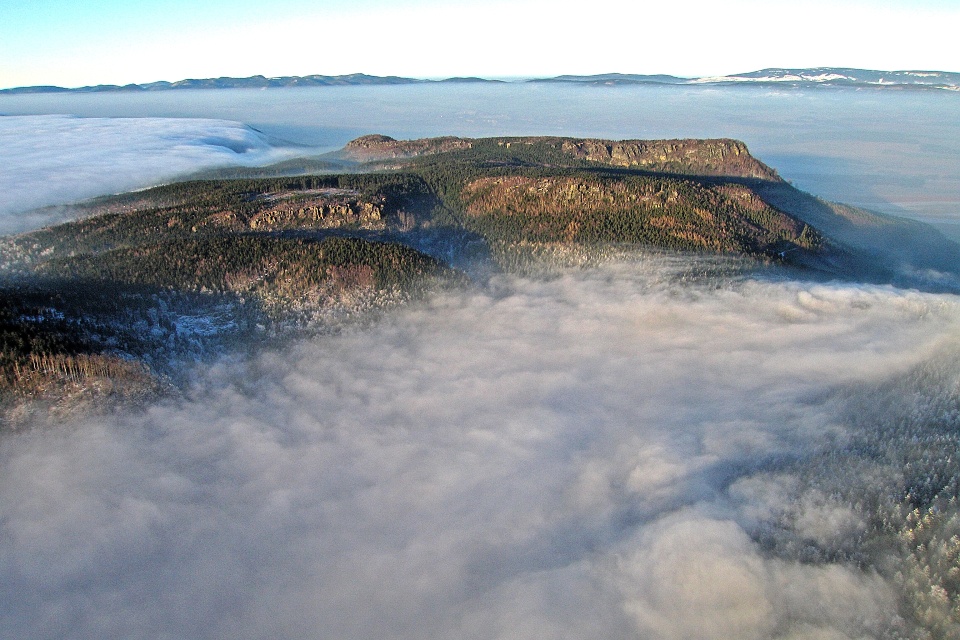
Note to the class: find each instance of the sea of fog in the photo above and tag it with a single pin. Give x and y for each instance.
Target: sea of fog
(57, 159)
(664, 447)
(892, 151)
(642, 450)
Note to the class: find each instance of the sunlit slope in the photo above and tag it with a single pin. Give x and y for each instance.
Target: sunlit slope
(676, 194)
(688, 194)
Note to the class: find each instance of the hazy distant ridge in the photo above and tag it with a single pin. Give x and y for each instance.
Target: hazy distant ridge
(253, 82)
(618, 78)
(818, 76)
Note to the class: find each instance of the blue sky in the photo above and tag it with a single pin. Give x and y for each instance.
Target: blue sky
(73, 43)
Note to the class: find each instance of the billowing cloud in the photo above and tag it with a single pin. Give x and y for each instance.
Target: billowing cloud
(592, 455)
(56, 159)
(692, 576)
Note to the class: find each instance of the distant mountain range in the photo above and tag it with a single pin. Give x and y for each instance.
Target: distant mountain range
(814, 77)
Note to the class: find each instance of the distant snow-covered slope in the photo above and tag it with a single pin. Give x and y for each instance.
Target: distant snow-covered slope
(839, 76)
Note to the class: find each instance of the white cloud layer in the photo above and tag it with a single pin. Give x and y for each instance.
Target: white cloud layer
(58, 159)
(578, 458)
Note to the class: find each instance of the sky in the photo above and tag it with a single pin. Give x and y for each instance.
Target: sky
(68, 43)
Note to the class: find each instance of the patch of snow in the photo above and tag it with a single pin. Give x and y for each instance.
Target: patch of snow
(826, 77)
(202, 325)
(790, 77)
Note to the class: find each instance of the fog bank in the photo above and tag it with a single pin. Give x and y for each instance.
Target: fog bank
(890, 151)
(595, 455)
(58, 159)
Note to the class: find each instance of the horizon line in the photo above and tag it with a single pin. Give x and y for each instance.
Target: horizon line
(161, 84)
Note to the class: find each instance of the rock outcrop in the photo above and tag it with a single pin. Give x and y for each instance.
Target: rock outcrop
(380, 147)
(715, 157)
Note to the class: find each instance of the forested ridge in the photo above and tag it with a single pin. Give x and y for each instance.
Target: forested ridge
(112, 307)
(152, 280)
(249, 264)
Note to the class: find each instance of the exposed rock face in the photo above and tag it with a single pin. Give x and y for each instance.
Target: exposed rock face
(720, 157)
(321, 213)
(713, 157)
(379, 147)
(300, 210)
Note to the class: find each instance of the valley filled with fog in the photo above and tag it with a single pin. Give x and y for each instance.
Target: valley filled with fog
(659, 445)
